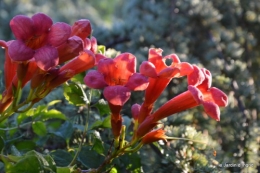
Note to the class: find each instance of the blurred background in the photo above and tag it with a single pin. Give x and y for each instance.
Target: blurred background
(222, 36)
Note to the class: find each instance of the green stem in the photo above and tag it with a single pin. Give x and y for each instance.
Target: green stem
(186, 139)
(12, 128)
(85, 128)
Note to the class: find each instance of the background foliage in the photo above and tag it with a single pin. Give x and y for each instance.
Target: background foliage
(222, 36)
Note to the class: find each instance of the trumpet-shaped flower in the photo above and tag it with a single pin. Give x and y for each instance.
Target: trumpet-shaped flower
(9, 66)
(153, 136)
(202, 93)
(37, 37)
(118, 76)
(160, 75)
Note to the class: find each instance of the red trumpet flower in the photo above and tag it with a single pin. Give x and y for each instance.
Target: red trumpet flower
(118, 76)
(202, 93)
(160, 75)
(153, 136)
(37, 38)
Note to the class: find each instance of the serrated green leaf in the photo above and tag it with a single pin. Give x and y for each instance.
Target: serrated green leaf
(90, 158)
(98, 146)
(61, 158)
(39, 128)
(73, 93)
(102, 107)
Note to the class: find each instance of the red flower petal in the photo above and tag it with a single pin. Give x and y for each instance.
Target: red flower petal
(153, 136)
(206, 84)
(70, 49)
(81, 63)
(117, 95)
(219, 97)
(95, 79)
(59, 33)
(185, 69)
(135, 110)
(22, 27)
(99, 57)
(196, 93)
(148, 69)
(94, 46)
(81, 28)
(196, 77)
(42, 23)
(106, 66)
(155, 57)
(125, 66)
(169, 72)
(46, 57)
(18, 51)
(212, 110)
(137, 82)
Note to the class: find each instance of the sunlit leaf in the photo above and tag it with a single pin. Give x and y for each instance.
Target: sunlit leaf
(39, 128)
(73, 93)
(102, 107)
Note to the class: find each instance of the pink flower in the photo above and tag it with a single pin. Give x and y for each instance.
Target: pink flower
(201, 93)
(160, 75)
(118, 76)
(37, 37)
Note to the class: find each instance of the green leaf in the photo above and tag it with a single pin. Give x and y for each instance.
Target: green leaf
(25, 145)
(51, 163)
(63, 170)
(29, 164)
(132, 161)
(98, 146)
(102, 107)
(113, 170)
(90, 158)
(73, 93)
(65, 131)
(61, 157)
(101, 49)
(39, 128)
(53, 114)
(105, 123)
(53, 102)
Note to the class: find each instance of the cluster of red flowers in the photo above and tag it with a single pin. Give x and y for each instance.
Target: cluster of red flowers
(118, 77)
(39, 52)
(41, 48)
